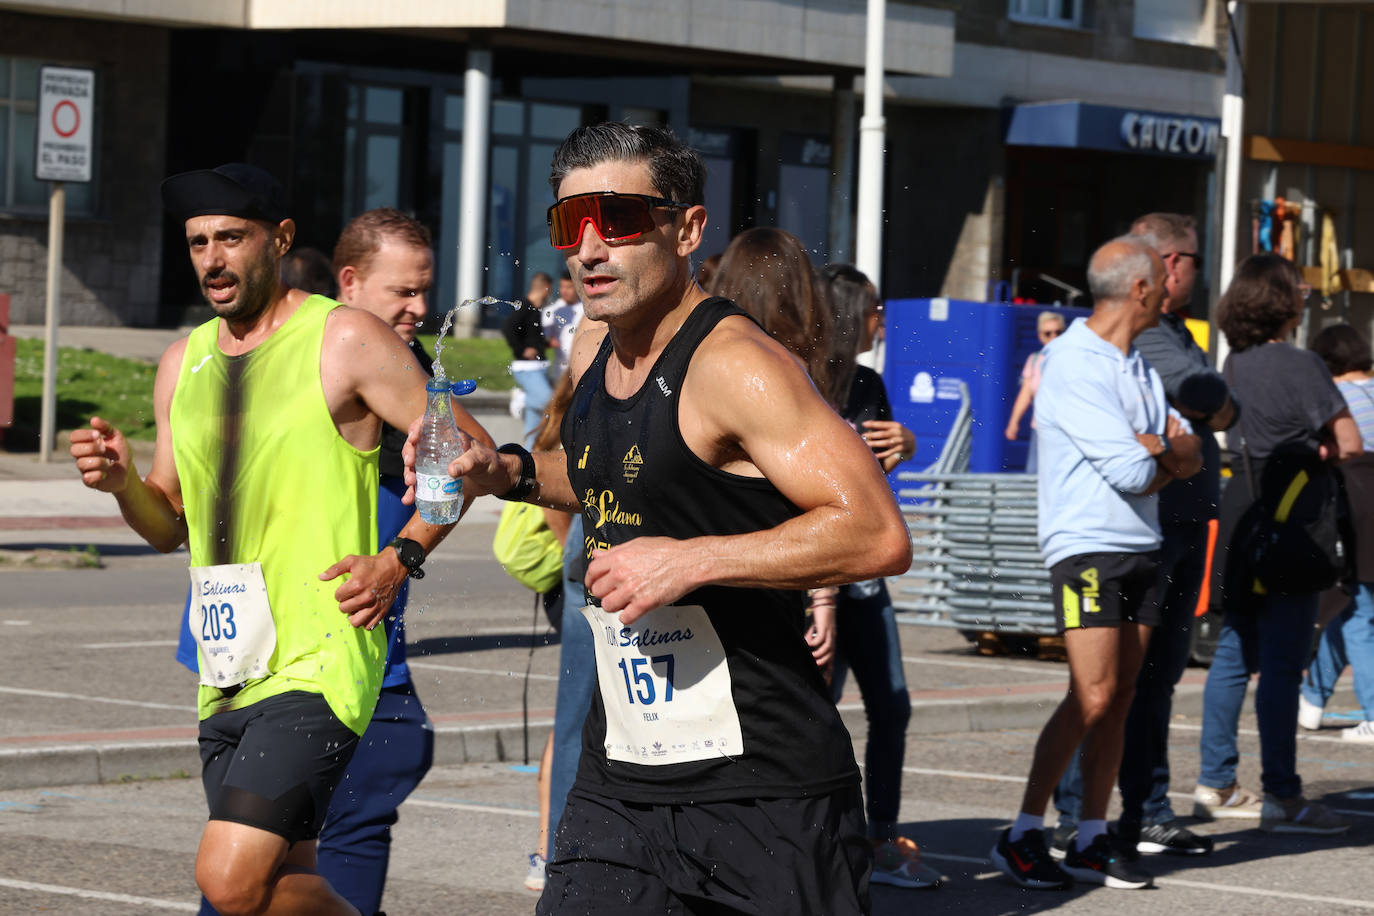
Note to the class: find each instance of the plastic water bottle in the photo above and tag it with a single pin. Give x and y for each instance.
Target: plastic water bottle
(437, 495)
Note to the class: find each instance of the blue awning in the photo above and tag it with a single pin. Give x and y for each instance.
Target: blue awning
(1080, 125)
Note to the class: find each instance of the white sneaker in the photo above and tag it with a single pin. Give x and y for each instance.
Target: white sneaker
(534, 879)
(1309, 713)
(1232, 801)
(1364, 732)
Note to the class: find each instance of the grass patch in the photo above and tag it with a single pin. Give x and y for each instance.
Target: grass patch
(91, 383)
(484, 359)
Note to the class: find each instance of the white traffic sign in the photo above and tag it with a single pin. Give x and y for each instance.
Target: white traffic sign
(66, 110)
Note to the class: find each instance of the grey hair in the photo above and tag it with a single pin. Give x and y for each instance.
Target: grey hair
(1046, 317)
(676, 170)
(1110, 277)
(1163, 231)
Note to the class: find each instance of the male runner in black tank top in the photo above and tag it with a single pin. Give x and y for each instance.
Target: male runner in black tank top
(715, 485)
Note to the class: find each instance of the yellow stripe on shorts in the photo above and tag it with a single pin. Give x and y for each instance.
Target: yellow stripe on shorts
(1071, 608)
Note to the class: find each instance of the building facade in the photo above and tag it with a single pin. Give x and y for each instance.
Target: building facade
(989, 191)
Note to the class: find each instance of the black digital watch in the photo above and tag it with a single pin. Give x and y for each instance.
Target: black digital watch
(412, 556)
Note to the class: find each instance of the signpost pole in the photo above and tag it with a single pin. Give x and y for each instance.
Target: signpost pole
(57, 211)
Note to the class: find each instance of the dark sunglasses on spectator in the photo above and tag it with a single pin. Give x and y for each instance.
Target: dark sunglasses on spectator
(1197, 258)
(615, 217)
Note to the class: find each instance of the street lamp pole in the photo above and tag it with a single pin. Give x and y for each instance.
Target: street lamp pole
(868, 247)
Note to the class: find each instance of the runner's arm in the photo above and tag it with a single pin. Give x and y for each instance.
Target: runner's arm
(385, 376)
(152, 506)
(752, 398)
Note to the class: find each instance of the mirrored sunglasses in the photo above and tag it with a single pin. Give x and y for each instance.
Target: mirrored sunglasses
(614, 216)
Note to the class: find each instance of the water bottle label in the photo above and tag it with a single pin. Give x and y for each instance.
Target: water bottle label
(437, 487)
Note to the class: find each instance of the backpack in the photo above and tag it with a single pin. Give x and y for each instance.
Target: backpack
(1296, 537)
(526, 548)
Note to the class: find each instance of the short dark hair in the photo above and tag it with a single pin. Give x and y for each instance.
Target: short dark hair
(1343, 349)
(362, 238)
(1262, 298)
(540, 276)
(675, 169)
(308, 269)
(565, 275)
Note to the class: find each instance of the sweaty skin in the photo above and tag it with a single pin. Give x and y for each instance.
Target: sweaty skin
(747, 407)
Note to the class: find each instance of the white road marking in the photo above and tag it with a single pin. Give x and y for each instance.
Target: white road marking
(1260, 892)
(466, 806)
(139, 644)
(17, 623)
(99, 895)
(55, 695)
(1056, 672)
(964, 774)
(460, 668)
(1253, 733)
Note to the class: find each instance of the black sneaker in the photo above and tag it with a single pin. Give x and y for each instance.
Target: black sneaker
(1027, 862)
(1126, 839)
(1102, 863)
(1172, 839)
(1061, 838)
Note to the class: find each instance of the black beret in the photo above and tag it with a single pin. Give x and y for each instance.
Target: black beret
(235, 189)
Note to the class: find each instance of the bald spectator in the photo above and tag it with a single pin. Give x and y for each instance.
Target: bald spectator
(1196, 390)
(1108, 443)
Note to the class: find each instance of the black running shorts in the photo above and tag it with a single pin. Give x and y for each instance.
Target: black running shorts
(773, 856)
(1106, 590)
(275, 764)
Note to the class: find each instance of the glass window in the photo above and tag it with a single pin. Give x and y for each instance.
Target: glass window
(28, 191)
(634, 114)
(453, 112)
(383, 106)
(1048, 12)
(382, 178)
(507, 117)
(1180, 21)
(539, 254)
(450, 209)
(502, 215)
(554, 121)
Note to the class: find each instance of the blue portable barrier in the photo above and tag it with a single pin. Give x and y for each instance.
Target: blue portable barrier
(933, 345)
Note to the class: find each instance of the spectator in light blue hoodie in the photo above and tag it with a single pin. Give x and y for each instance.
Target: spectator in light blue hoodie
(1108, 443)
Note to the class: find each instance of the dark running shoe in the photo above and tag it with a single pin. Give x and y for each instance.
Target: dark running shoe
(1172, 839)
(1027, 862)
(1061, 838)
(1102, 863)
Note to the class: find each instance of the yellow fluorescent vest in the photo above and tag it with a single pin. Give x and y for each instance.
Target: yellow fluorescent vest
(266, 477)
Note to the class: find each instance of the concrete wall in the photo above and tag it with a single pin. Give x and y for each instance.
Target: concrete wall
(111, 260)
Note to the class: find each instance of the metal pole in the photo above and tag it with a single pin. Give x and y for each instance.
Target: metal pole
(868, 247)
(472, 220)
(841, 239)
(1232, 127)
(57, 200)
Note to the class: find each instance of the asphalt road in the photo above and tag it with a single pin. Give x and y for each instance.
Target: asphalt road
(91, 651)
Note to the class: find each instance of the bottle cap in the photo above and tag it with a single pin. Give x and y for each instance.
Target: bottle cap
(464, 386)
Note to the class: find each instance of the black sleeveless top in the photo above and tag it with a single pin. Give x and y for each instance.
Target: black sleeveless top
(637, 478)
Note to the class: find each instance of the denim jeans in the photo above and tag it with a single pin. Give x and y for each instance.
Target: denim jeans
(576, 683)
(867, 643)
(1347, 640)
(1275, 639)
(538, 392)
(1144, 774)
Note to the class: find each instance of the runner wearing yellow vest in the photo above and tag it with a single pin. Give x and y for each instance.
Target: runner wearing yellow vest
(268, 419)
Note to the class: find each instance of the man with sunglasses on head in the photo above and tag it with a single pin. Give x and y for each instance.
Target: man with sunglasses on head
(1198, 392)
(716, 485)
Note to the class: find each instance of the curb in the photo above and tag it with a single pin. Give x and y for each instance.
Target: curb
(91, 764)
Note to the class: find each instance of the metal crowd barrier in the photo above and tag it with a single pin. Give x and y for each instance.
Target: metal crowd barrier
(977, 566)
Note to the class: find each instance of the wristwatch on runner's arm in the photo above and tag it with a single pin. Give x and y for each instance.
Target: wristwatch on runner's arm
(412, 556)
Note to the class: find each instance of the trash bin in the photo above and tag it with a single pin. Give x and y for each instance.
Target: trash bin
(933, 345)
